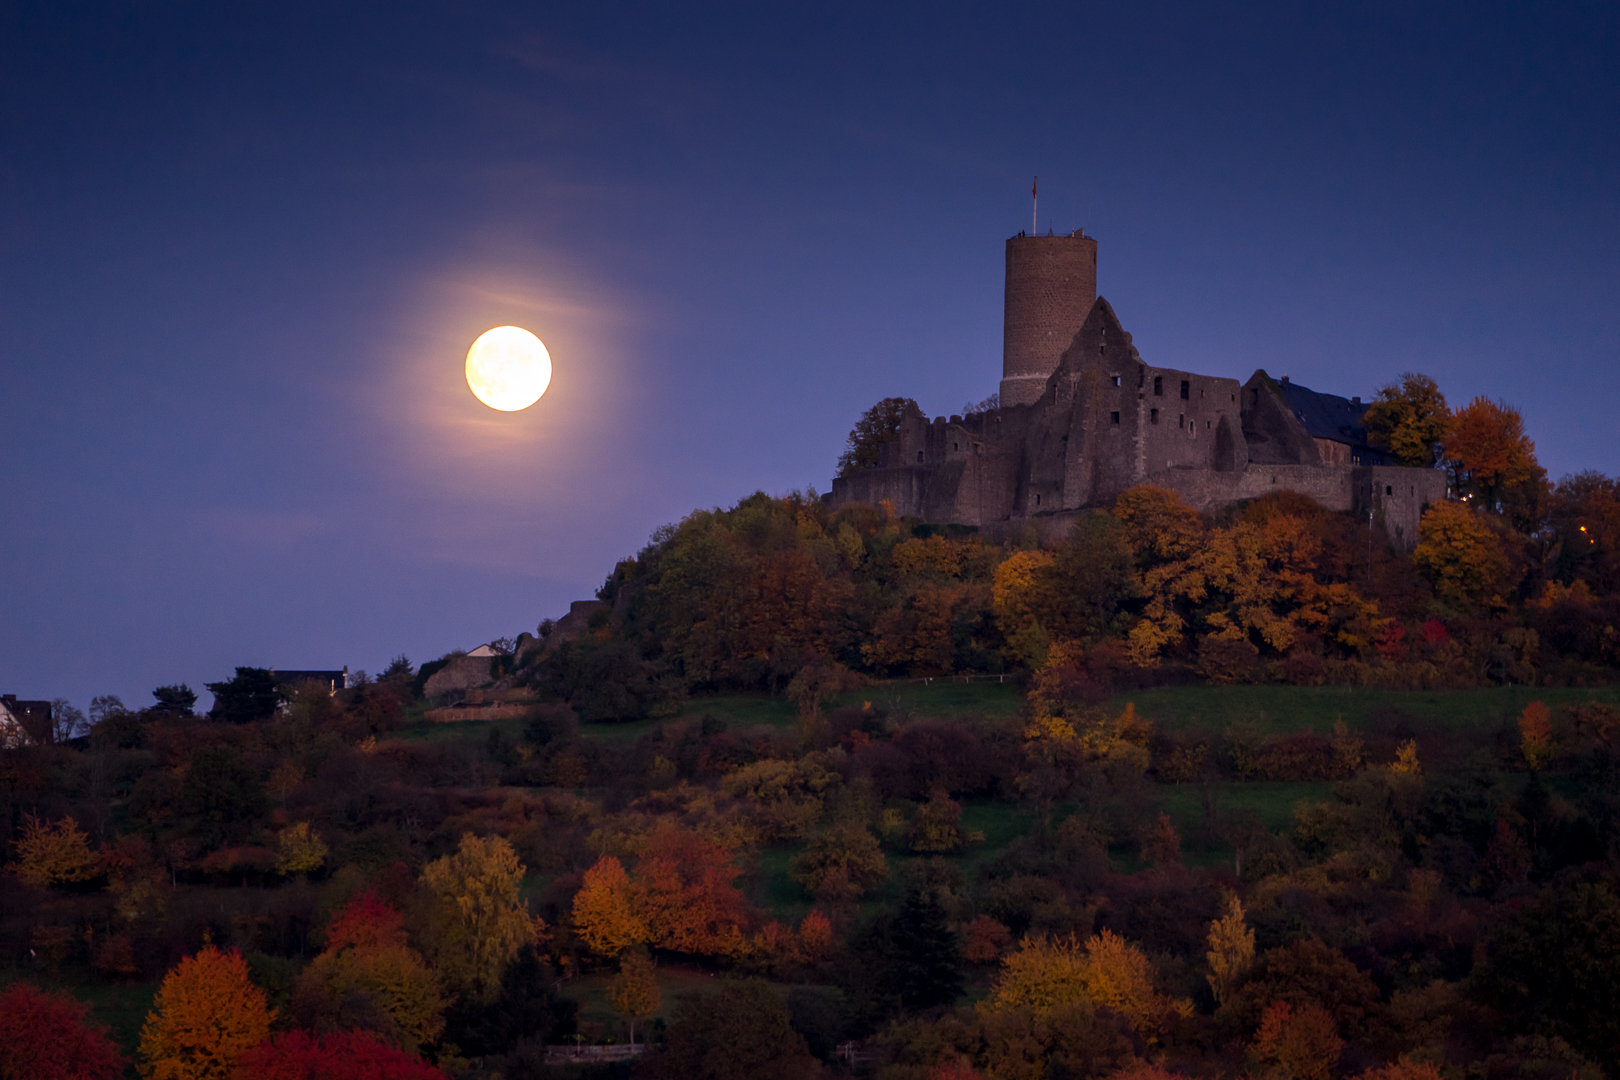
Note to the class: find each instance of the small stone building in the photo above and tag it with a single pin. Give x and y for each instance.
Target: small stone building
(1104, 420)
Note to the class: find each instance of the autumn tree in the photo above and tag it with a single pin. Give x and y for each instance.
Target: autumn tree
(1298, 1043)
(1106, 971)
(1535, 734)
(634, 992)
(55, 854)
(840, 864)
(1585, 516)
(1231, 950)
(302, 850)
(368, 977)
(1493, 462)
(686, 894)
(339, 1055)
(605, 916)
(483, 923)
(47, 1037)
(1461, 556)
(1410, 419)
(1162, 845)
(1014, 597)
(878, 425)
(207, 1013)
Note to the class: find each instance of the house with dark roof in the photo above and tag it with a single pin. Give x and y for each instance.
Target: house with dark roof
(23, 723)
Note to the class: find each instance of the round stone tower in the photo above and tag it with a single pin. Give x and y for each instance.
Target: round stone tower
(1051, 285)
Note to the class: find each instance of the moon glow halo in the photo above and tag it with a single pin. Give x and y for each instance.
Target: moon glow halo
(508, 368)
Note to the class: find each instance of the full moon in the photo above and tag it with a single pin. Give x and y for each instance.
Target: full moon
(508, 368)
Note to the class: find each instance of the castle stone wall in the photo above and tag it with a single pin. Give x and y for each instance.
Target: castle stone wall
(1051, 284)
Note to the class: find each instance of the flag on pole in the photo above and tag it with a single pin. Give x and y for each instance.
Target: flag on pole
(1032, 184)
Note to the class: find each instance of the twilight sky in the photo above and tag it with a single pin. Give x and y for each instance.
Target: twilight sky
(244, 248)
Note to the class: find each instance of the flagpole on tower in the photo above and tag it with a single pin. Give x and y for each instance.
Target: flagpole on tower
(1033, 204)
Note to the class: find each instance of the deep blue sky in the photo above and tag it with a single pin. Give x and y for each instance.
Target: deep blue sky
(244, 247)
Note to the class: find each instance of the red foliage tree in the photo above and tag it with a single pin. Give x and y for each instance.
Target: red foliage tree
(45, 1037)
(343, 1055)
(366, 922)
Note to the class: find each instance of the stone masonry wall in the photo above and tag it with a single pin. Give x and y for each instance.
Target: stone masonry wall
(1051, 283)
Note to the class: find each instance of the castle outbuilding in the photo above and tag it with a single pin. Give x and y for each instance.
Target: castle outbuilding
(1083, 417)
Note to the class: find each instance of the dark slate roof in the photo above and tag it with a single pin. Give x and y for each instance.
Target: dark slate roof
(1326, 416)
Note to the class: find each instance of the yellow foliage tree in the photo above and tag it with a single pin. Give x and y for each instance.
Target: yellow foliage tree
(634, 992)
(206, 1014)
(1231, 950)
(394, 978)
(604, 909)
(54, 854)
(487, 922)
(1014, 590)
(302, 850)
(1461, 555)
(1107, 971)
(1406, 759)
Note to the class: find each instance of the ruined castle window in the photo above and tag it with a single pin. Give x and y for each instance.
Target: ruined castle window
(1115, 379)
(1186, 390)
(1141, 376)
(1037, 500)
(1158, 385)
(954, 446)
(1153, 416)
(1388, 490)
(1208, 424)
(1115, 417)
(919, 457)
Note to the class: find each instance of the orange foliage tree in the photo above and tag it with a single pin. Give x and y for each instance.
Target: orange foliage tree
(207, 1014)
(605, 916)
(1535, 734)
(1493, 462)
(46, 1037)
(685, 893)
(1299, 1044)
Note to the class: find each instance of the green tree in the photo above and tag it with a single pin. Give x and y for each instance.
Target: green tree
(1554, 967)
(741, 1032)
(176, 699)
(878, 425)
(1410, 419)
(912, 959)
(251, 695)
(220, 790)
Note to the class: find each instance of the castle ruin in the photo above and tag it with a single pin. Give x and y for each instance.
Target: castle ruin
(1082, 417)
